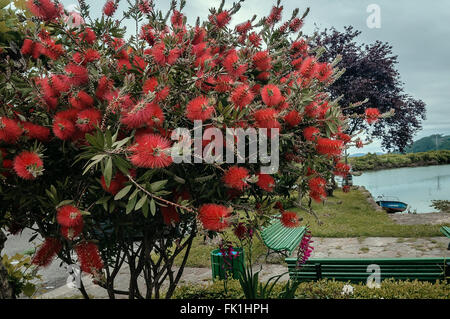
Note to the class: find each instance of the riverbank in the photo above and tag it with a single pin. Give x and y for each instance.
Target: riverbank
(373, 162)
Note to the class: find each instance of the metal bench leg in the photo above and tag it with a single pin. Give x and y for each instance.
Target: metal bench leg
(448, 248)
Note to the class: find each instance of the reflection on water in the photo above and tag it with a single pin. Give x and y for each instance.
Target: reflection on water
(416, 186)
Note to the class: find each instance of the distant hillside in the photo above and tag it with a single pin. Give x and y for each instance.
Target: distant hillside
(430, 143)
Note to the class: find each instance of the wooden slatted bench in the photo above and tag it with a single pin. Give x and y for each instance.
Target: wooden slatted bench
(356, 270)
(281, 239)
(446, 231)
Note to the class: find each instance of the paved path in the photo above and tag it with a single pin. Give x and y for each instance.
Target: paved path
(370, 247)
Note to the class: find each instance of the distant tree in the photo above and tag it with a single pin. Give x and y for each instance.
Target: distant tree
(371, 73)
(430, 143)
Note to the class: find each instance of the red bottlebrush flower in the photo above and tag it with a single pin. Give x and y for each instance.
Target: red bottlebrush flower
(148, 34)
(104, 87)
(170, 215)
(139, 115)
(344, 137)
(9, 130)
(299, 48)
(312, 110)
(91, 55)
(223, 83)
(81, 100)
(52, 50)
(290, 219)
(150, 85)
(359, 143)
(28, 165)
(199, 109)
(69, 216)
(324, 71)
(255, 39)
(63, 129)
(177, 19)
(44, 9)
(78, 75)
(341, 169)
(275, 15)
(372, 115)
(47, 252)
(346, 188)
(311, 133)
(232, 66)
(88, 36)
(117, 183)
(295, 24)
(27, 47)
(144, 6)
(244, 27)
(262, 61)
(293, 118)
(242, 96)
(72, 232)
(326, 146)
(236, 177)
(34, 131)
(109, 8)
(263, 76)
(60, 83)
(88, 119)
(268, 114)
(151, 151)
(305, 248)
(271, 95)
(308, 67)
(89, 257)
(265, 182)
(156, 116)
(221, 19)
(214, 217)
(317, 188)
(69, 114)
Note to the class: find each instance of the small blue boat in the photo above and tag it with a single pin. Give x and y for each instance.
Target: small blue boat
(391, 204)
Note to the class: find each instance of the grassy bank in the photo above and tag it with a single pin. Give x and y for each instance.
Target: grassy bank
(344, 215)
(376, 162)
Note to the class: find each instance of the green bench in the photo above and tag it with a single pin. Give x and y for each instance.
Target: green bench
(356, 270)
(446, 231)
(281, 239)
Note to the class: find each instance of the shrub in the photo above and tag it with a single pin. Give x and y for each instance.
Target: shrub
(326, 289)
(87, 118)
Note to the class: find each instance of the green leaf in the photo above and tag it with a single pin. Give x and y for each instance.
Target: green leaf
(145, 209)
(29, 289)
(130, 205)
(108, 172)
(122, 192)
(64, 202)
(141, 202)
(156, 186)
(153, 207)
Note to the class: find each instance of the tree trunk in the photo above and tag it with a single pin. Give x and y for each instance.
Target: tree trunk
(6, 291)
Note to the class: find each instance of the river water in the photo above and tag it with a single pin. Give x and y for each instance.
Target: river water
(416, 186)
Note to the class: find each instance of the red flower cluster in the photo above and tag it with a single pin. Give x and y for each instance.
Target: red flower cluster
(372, 115)
(214, 217)
(341, 169)
(89, 257)
(317, 188)
(326, 146)
(151, 151)
(236, 177)
(28, 165)
(199, 109)
(45, 254)
(265, 182)
(71, 221)
(290, 219)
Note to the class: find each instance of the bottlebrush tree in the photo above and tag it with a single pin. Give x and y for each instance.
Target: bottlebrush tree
(85, 132)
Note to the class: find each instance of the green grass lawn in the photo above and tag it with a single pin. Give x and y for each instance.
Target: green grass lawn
(343, 215)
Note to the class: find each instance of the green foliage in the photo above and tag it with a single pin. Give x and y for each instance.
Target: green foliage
(22, 274)
(375, 162)
(441, 205)
(324, 289)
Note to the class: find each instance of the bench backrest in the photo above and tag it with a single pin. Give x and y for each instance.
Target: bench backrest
(356, 270)
(278, 237)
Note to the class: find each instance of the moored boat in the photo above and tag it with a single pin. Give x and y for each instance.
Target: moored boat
(391, 205)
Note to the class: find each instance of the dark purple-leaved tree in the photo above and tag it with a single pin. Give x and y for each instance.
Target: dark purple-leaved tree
(371, 73)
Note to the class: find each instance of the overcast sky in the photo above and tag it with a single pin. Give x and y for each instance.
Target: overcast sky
(418, 30)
